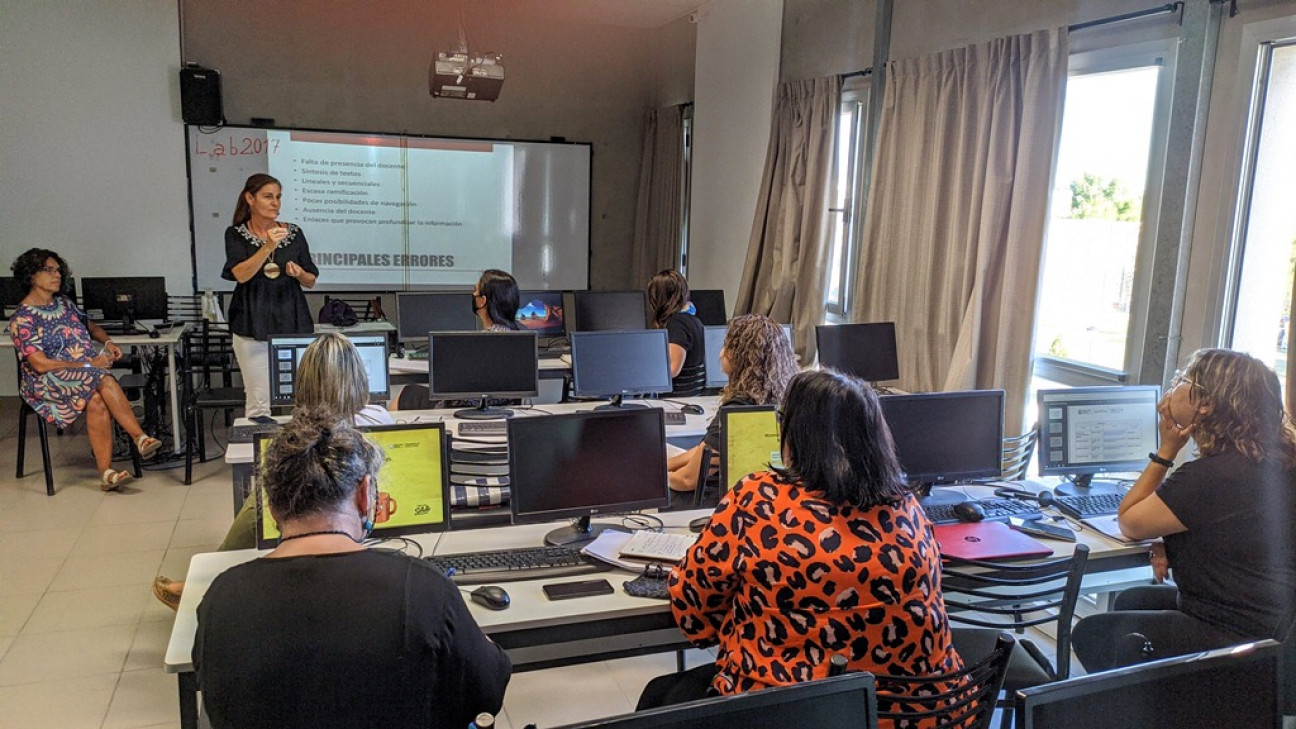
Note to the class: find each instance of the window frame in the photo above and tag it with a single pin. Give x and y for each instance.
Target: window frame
(851, 217)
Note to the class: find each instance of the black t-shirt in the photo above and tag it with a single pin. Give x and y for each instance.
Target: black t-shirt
(359, 639)
(1236, 564)
(262, 307)
(686, 331)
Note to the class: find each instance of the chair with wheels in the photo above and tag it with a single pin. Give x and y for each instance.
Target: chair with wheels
(1017, 452)
(208, 352)
(964, 699)
(994, 596)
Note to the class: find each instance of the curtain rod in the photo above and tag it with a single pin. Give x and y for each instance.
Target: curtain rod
(1159, 10)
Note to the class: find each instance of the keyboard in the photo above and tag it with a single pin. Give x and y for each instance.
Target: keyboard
(995, 510)
(509, 565)
(552, 353)
(675, 417)
(247, 433)
(470, 428)
(1088, 505)
(417, 354)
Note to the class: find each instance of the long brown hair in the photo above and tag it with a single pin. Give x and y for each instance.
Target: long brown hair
(761, 361)
(668, 292)
(243, 211)
(1243, 407)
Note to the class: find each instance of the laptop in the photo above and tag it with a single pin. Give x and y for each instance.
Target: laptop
(413, 485)
(987, 540)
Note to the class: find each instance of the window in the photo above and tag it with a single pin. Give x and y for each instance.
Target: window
(1092, 306)
(686, 189)
(1264, 248)
(846, 211)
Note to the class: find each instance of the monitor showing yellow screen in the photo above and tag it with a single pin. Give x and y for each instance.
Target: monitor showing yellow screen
(749, 441)
(412, 496)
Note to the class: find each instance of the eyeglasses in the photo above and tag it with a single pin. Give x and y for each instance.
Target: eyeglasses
(1180, 378)
(51, 270)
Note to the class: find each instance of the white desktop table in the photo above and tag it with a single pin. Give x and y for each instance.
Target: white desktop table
(167, 340)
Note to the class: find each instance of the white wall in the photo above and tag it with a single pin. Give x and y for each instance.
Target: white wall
(91, 142)
(736, 72)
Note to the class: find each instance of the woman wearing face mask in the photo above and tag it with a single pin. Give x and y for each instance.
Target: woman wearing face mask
(496, 300)
(1225, 519)
(271, 262)
(668, 299)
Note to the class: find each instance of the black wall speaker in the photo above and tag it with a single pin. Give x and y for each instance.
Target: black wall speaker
(200, 96)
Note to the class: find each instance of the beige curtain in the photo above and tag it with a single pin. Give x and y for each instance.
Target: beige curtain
(953, 237)
(1291, 357)
(658, 215)
(788, 252)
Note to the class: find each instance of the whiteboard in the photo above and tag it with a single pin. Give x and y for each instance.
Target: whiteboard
(395, 212)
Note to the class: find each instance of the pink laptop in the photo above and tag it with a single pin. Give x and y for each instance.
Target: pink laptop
(987, 540)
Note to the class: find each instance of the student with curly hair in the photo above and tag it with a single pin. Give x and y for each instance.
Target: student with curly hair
(759, 361)
(1225, 519)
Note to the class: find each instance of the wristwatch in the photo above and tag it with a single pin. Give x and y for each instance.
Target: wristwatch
(1152, 456)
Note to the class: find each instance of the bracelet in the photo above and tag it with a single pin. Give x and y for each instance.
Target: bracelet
(1152, 456)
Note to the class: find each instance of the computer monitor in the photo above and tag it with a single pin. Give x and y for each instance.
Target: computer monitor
(412, 485)
(1091, 430)
(1229, 687)
(710, 305)
(580, 465)
(603, 310)
(848, 701)
(468, 365)
(715, 336)
(749, 437)
(946, 437)
(11, 295)
(126, 299)
(867, 351)
(542, 312)
(286, 352)
(433, 311)
(616, 364)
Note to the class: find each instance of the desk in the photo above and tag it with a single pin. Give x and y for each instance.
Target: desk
(539, 633)
(167, 340)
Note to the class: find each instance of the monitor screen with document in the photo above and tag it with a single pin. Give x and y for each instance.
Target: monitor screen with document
(286, 352)
(1092, 430)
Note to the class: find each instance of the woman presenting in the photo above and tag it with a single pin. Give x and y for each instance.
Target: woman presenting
(271, 263)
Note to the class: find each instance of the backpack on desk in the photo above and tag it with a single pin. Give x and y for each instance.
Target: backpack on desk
(338, 313)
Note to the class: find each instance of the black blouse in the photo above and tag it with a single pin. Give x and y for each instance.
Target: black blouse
(262, 307)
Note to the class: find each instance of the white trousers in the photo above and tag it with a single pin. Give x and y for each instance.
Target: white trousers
(254, 364)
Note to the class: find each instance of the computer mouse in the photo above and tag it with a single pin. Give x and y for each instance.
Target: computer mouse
(691, 409)
(969, 511)
(154, 334)
(492, 597)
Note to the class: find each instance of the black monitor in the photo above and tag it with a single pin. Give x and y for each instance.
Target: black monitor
(603, 310)
(542, 312)
(286, 352)
(616, 364)
(11, 295)
(867, 351)
(580, 465)
(848, 701)
(710, 305)
(946, 437)
(715, 336)
(413, 490)
(126, 299)
(468, 365)
(1091, 430)
(439, 311)
(1229, 687)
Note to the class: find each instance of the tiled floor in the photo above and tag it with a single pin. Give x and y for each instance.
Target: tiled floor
(82, 638)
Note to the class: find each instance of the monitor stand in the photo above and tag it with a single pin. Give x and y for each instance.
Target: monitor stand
(483, 412)
(1086, 485)
(618, 403)
(580, 532)
(931, 494)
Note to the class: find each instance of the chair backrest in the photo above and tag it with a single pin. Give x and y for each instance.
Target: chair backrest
(184, 308)
(209, 349)
(690, 381)
(1017, 452)
(1017, 596)
(965, 699)
(707, 475)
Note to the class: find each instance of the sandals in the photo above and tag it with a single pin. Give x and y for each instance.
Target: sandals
(147, 446)
(112, 480)
(162, 591)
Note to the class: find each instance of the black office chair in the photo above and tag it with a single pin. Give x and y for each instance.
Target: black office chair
(1017, 452)
(209, 351)
(994, 596)
(690, 381)
(365, 309)
(708, 476)
(964, 699)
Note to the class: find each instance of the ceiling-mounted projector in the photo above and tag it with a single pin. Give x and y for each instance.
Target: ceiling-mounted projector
(456, 75)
